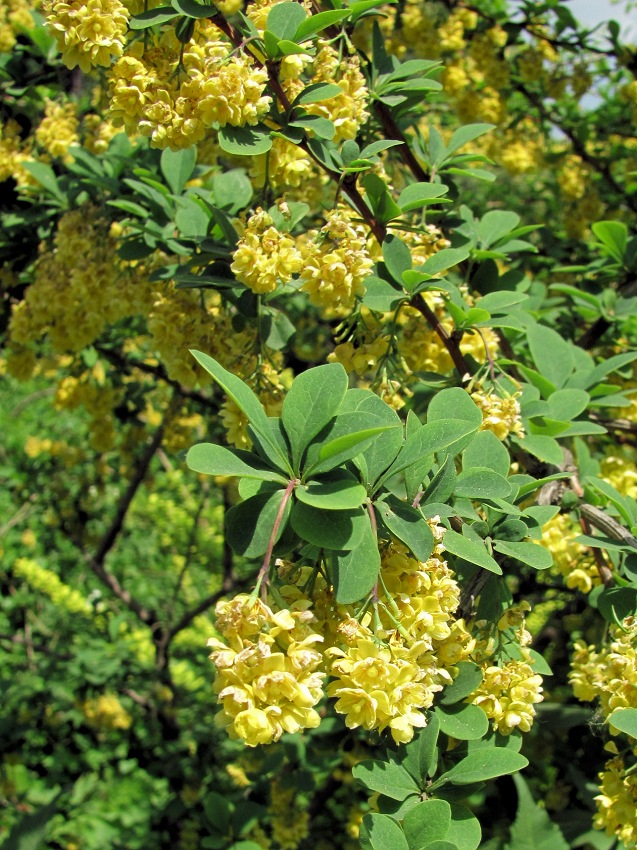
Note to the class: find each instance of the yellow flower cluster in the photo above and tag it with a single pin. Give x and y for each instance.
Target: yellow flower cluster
(569, 557)
(98, 399)
(78, 288)
(15, 15)
(58, 130)
(621, 472)
(508, 695)
(180, 319)
(88, 32)
(348, 110)
(14, 152)
(617, 802)
(49, 583)
(105, 713)
(363, 358)
(288, 167)
(609, 673)
(336, 261)
(174, 93)
(386, 684)
(500, 415)
(264, 257)
(267, 679)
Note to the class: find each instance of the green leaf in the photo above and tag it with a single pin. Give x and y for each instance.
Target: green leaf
(468, 550)
(408, 525)
(248, 402)
(624, 719)
(355, 572)
(312, 401)
(152, 17)
(420, 194)
(543, 447)
(499, 302)
(45, 176)
(440, 844)
(316, 92)
(427, 822)
(443, 260)
(553, 356)
(336, 492)
(617, 603)
(486, 451)
(379, 199)
(397, 257)
(463, 135)
(192, 9)
(533, 554)
(382, 451)
(482, 483)
(614, 237)
(340, 530)
(193, 218)
(421, 752)
(468, 679)
(567, 404)
(232, 190)
(387, 778)
(485, 763)
(532, 828)
(249, 524)
(430, 438)
(284, 19)
(465, 830)
(319, 22)
(177, 167)
(455, 403)
(212, 459)
(381, 296)
(381, 832)
(441, 486)
(494, 225)
(245, 141)
(347, 437)
(464, 722)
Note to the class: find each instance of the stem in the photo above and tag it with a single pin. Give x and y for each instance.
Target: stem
(263, 572)
(448, 340)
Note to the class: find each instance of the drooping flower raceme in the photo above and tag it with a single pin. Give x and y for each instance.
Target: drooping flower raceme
(88, 32)
(268, 679)
(265, 257)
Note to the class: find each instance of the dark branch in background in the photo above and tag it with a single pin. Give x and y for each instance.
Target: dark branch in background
(450, 341)
(96, 562)
(602, 324)
(578, 146)
(228, 583)
(128, 364)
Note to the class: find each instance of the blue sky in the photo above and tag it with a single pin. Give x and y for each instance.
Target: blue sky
(591, 12)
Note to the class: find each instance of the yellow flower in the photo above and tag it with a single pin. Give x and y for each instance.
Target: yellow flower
(336, 264)
(267, 679)
(500, 415)
(508, 695)
(88, 32)
(264, 257)
(617, 802)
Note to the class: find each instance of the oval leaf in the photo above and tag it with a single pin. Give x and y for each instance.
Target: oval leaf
(485, 763)
(211, 459)
(312, 401)
(380, 832)
(355, 572)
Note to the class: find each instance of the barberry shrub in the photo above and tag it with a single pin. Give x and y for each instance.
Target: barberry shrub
(318, 333)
